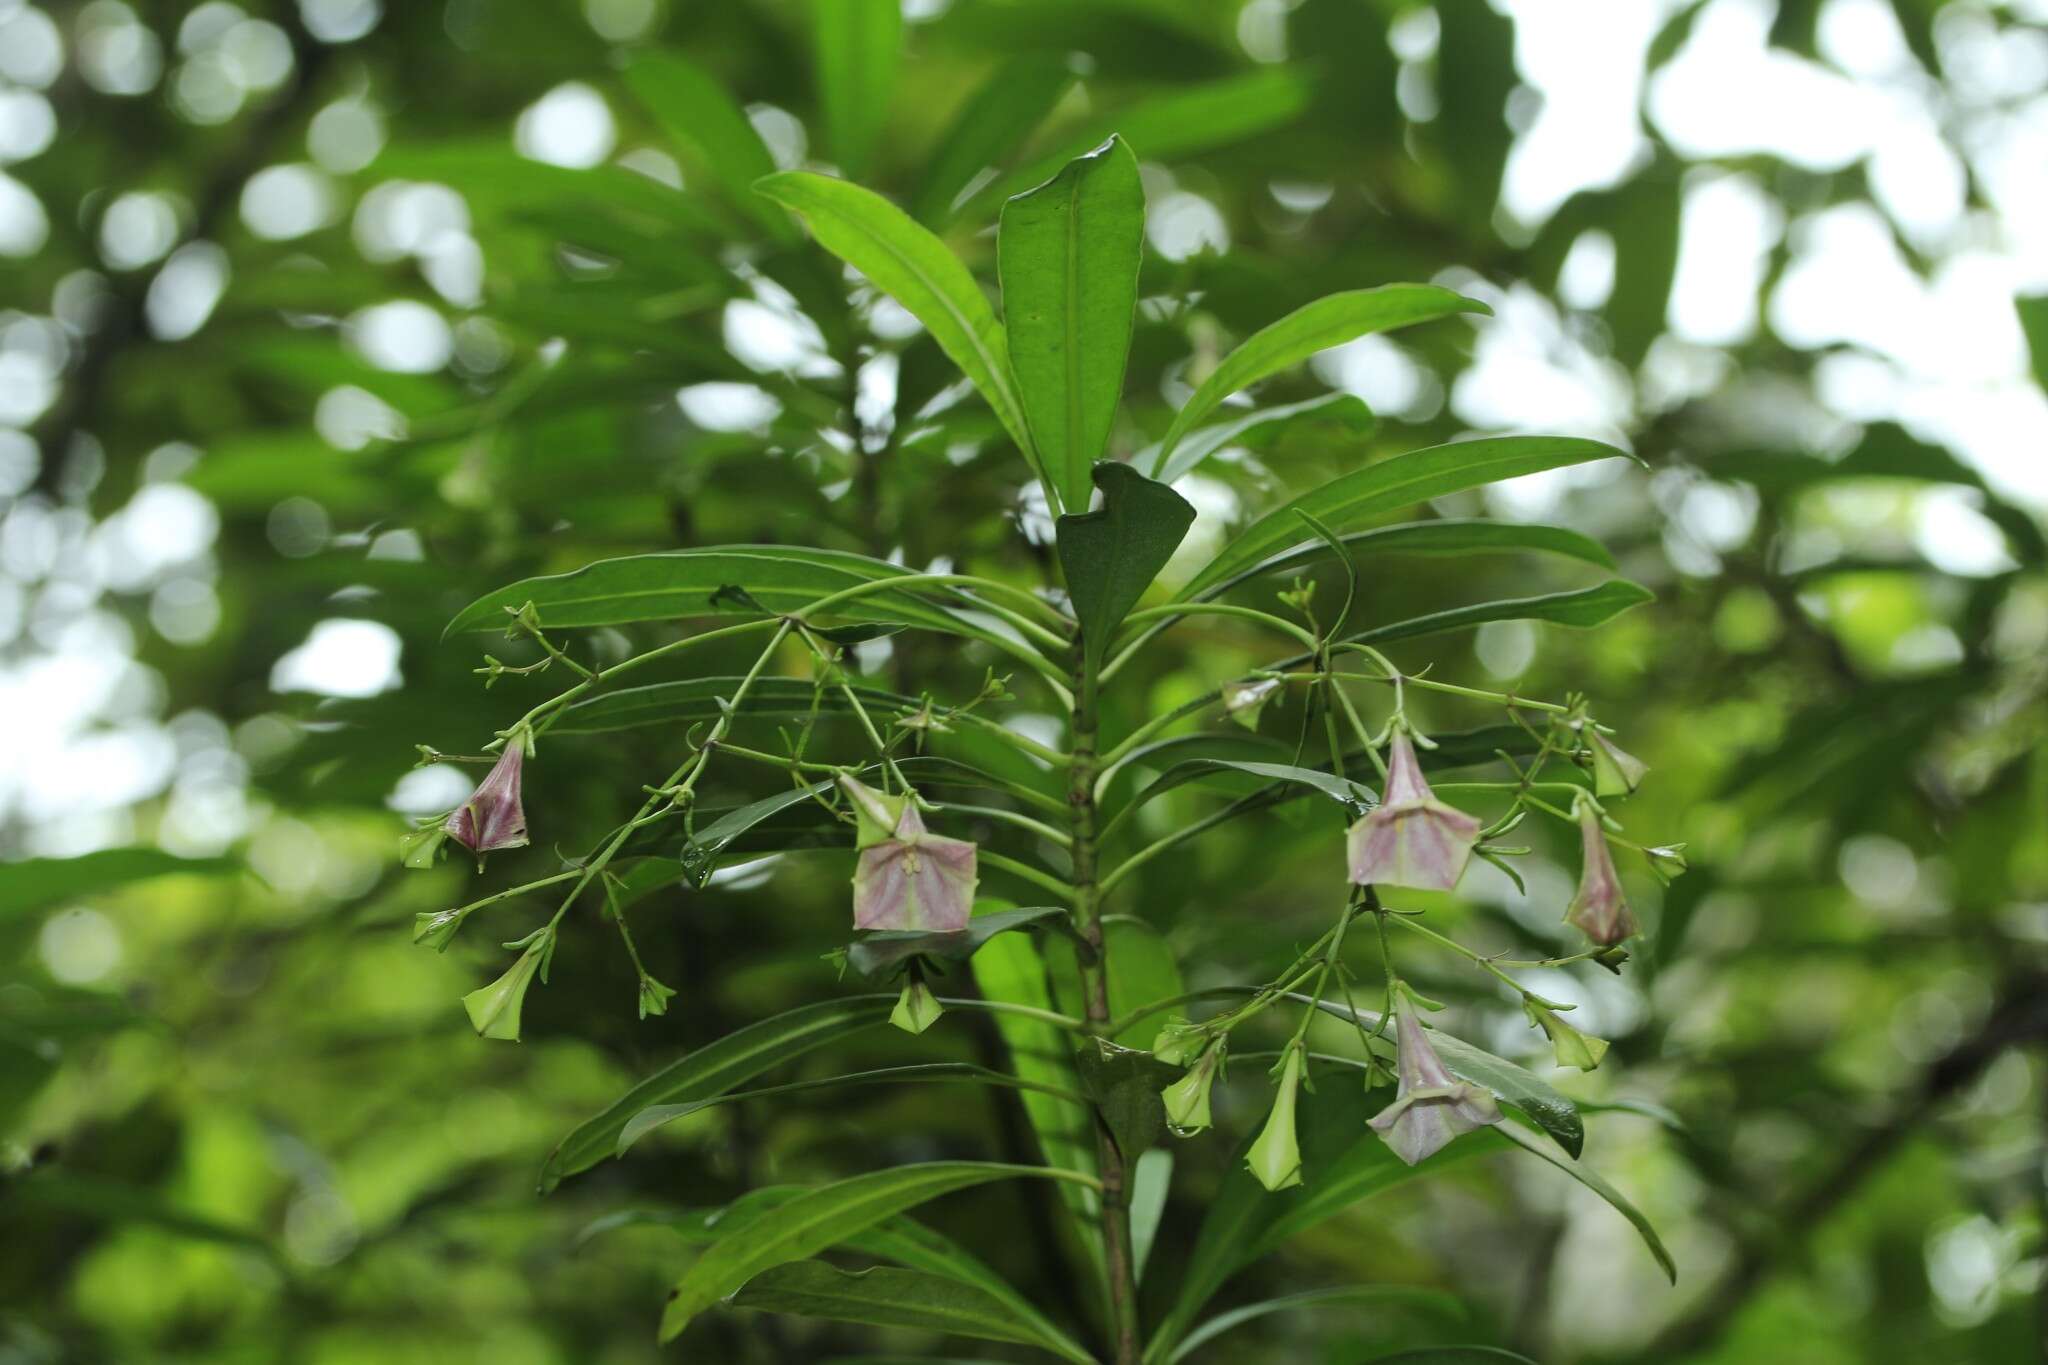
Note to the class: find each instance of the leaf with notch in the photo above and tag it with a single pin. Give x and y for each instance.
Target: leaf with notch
(1111, 556)
(1067, 254)
(1125, 1083)
(1352, 500)
(1314, 327)
(908, 263)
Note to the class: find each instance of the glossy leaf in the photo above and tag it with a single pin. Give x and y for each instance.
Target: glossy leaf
(694, 109)
(1449, 536)
(1151, 1181)
(713, 1069)
(687, 583)
(699, 852)
(1348, 794)
(1067, 255)
(1256, 427)
(1352, 500)
(877, 953)
(859, 43)
(909, 264)
(884, 1296)
(993, 123)
(1112, 555)
(1317, 326)
(1583, 608)
(818, 1219)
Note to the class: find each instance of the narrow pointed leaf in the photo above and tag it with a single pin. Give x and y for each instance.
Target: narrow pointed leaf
(37, 883)
(713, 1069)
(1433, 1301)
(1593, 1181)
(1449, 536)
(688, 701)
(1067, 253)
(878, 952)
(859, 44)
(1453, 1355)
(884, 1296)
(822, 1218)
(1313, 327)
(1111, 556)
(909, 264)
(1584, 608)
(1354, 500)
(1258, 427)
(693, 108)
(994, 122)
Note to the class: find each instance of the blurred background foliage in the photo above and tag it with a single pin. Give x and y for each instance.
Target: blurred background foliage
(317, 320)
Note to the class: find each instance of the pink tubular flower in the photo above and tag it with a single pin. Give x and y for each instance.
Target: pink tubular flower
(1599, 908)
(1430, 1106)
(906, 878)
(1411, 839)
(493, 818)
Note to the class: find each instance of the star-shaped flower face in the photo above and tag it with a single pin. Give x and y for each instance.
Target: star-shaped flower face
(1411, 839)
(1431, 1106)
(493, 817)
(1600, 908)
(907, 878)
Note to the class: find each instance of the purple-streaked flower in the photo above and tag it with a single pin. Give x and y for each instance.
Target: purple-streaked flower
(1275, 1156)
(1572, 1047)
(493, 817)
(494, 1009)
(1615, 771)
(1600, 908)
(1411, 839)
(1431, 1106)
(906, 878)
(1187, 1099)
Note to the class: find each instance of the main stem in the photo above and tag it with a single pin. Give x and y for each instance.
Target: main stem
(1116, 1199)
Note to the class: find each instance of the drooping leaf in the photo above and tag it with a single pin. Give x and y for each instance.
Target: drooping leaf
(1067, 255)
(822, 1218)
(879, 952)
(1593, 1181)
(713, 1069)
(1348, 794)
(1111, 556)
(689, 701)
(992, 124)
(1313, 327)
(34, 884)
(1583, 608)
(1433, 1301)
(1257, 427)
(1125, 1083)
(859, 43)
(915, 268)
(699, 852)
(1353, 500)
(683, 583)
(884, 1296)
(693, 108)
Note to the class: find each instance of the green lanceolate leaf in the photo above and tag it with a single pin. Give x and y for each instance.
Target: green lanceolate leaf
(1067, 254)
(859, 43)
(1112, 556)
(689, 701)
(1432, 1301)
(699, 853)
(1450, 536)
(694, 109)
(994, 123)
(821, 1218)
(1313, 327)
(37, 883)
(919, 1073)
(1453, 1355)
(1352, 500)
(887, 1297)
(888, 949)
(1351, 795)
(1151, 1181)
(1583, 608)
(685, 583)
(1141, 968)
(1346, 411)
(916, 269)
(713, 1069)
(1593, 1181)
